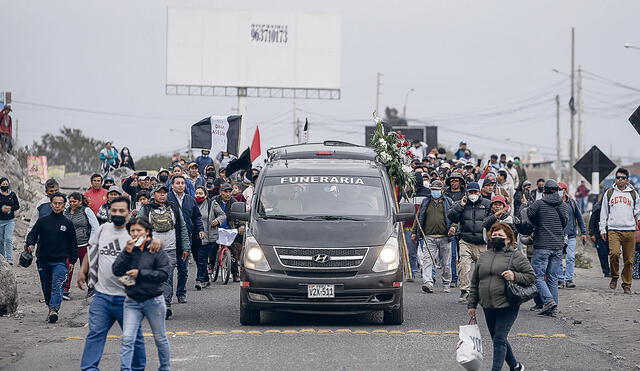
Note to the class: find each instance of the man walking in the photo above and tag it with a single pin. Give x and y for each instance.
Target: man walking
(549, 217)
(96, 195)
(434, 227)
(56, 239)
(575, 219)
(470, 213)
(43, 207)
(618, 219)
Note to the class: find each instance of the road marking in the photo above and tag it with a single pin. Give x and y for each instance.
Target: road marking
(147, 334)
(342, 331)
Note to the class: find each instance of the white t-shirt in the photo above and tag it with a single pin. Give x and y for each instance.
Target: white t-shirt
(110, 243)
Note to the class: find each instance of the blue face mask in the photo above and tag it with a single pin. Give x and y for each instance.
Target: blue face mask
(436, 194)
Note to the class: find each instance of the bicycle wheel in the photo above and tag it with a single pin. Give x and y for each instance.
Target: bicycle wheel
(226, 266)
(216, 272)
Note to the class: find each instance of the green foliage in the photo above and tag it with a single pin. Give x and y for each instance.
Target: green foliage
(153, 162)
(70, 148)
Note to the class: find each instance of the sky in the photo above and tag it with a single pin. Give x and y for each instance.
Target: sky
(481, 70)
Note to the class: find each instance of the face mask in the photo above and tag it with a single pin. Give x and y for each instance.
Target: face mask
(498, 243)
(211, 173)
(474, 197)
(200, 199)
(436, 194)
(118, 220)
(539, 189)
(163, 178)
(4, 188)
(509, 166)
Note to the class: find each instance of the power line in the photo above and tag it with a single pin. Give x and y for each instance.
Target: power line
(595, 76)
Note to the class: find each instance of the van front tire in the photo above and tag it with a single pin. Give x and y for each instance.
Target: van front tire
(394, 316)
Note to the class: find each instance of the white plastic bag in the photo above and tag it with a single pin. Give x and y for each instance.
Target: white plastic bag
(226, 236)
(469, 349)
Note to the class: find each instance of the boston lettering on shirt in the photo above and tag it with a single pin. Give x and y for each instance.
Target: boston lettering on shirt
(321, 179)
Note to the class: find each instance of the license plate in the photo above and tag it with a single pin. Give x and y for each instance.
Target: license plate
(321, 291)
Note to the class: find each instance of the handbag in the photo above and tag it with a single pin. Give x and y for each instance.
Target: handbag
(516, 293)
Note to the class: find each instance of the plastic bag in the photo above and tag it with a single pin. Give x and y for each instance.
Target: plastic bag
(226, 236)
(469, 349)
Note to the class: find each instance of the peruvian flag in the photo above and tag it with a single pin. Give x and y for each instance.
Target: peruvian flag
(255, 145)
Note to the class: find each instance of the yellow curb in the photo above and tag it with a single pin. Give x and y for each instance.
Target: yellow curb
(432, 332)
(217, 333)
(201, 332)
(539, 336)
(183, 333)
(325, 332)
(396, 332)
(74, 338)
(272, 332)
(559, 336)
(113, 337)
(380, 331)
(414, 332)
(343, 330)
(307, 330)
(169, 332)
(290, 331)
(523, 334)
(238, 332)
(451, 332)
(361, 332)
(254, 332)
(147, 334)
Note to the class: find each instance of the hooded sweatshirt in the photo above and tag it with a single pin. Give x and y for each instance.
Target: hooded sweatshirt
(549, 216)
(620, 212)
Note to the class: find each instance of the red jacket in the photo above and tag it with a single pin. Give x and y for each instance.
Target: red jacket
(96, 198)
(5, 124)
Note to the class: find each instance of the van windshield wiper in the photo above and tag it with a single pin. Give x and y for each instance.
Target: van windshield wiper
(333, 217)
(280, 217)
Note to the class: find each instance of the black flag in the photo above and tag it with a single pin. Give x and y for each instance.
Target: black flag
(217, 134)
(305, 131)
(241, 163)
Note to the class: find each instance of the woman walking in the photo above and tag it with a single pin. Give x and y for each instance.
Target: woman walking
(488, 283)
(212, 217)
(143, 274)
(126, 160)
(86, 224)
(8, 206)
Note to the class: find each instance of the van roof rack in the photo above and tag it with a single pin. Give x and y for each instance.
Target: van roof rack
(329, 149)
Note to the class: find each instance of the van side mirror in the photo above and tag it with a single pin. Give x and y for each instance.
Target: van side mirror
(406, 212)
(239, 211)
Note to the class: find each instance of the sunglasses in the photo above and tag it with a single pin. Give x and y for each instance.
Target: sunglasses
(621, 177)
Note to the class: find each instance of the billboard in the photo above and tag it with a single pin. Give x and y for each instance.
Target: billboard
(37, 166)
(236, 48)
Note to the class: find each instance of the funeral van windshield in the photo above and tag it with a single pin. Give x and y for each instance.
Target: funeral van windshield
(322, 197)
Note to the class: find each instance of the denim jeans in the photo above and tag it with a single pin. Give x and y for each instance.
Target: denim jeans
(6, 238)
(202, 261)
(52, 278)
(454, 260)
(183, 274)
(168, 284)
(602, 247)
(103, 312)
(413, 253)
(154, 311)
(499, 322)
(546, 264)
(566, 274)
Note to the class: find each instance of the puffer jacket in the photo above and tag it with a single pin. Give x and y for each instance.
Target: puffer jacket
(488, 285)
(210, 211)
(549, 216)
(471, 218)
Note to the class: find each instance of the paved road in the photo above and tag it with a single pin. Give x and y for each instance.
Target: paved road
(206, 334)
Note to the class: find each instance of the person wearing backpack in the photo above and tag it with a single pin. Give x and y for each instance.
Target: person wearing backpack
(602, 247)
(86, 224)
(574, 219)
(618, 222)
(212, 217)
(168, 225)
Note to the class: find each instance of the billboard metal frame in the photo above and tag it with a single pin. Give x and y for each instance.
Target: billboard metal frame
(252, 92)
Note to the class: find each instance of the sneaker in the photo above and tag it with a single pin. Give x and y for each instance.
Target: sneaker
(464, 295)
(570, 285)
(547, 308)
(427, 288)
(90, 293)
(535, 308)
(446, 289)
(453, 284)
(198, 285)
(169, 313)
(206, 284)
(519, 367)
(53, 315)
(560, 285)
(626, 290)
(10, 263)
(182, 299)
(236, 278)
(66, 296)
(613, 284)
(410, 280)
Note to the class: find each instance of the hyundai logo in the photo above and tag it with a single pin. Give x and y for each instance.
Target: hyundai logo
(321, 258)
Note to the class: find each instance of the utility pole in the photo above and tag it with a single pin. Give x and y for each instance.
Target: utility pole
(579, 101)
(378, 85)
(572, 141)
(295, 123)
(558, 142)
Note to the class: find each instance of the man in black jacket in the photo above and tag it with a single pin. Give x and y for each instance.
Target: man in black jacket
(56, 239)
(549, 216)
(133, 185)
(470, 213)
(602, 246)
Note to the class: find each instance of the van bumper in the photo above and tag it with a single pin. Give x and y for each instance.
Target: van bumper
(361, 293)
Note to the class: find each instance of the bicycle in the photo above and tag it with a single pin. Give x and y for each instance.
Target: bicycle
(222, 265)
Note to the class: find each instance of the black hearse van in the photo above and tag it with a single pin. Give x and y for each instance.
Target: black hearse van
(322, 235)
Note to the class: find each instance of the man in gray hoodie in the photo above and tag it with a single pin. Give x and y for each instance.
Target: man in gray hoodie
(618, 220)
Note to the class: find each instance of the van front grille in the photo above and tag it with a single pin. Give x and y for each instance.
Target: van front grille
(321, 257)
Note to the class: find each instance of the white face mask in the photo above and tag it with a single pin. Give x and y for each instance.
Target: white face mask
(474, 197)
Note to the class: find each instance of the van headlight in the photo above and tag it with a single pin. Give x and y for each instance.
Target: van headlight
(389, 257)
(254, 257)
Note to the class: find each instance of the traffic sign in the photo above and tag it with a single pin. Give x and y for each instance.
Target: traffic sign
(592, 162)
(635, 119)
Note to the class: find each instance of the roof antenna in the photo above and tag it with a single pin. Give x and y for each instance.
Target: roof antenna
(286, 162)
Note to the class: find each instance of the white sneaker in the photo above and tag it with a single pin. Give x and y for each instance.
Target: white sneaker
(446, 289)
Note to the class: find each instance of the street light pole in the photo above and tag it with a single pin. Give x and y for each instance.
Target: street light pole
(630, 46)
(572, 144)
(404, 108)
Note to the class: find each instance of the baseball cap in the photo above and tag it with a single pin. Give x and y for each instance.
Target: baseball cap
(473, 186)
(159, 187)
(436, 184)
(563, 185)
(500, 199)
(163, 170)
(192, 164)
(226, 187)
(115, 189)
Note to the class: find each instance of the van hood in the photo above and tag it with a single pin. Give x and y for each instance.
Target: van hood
(342, 233)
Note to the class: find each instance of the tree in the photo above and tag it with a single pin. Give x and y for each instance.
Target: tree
(153, 162)
(70, 148)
